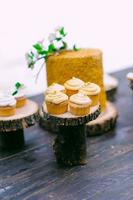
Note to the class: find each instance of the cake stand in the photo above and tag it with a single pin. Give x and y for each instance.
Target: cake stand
(12, 127)
(70, 143)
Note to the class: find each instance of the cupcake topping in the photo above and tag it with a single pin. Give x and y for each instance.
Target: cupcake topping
(56, 97)
(80, 98)
(74, 84)
(130, 76)
(90, 89)
(55, 87)
(19, 94)
(7, 100)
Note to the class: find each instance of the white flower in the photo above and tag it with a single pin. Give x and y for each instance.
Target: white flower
(57, 29)
(52, 37)
(58, 44)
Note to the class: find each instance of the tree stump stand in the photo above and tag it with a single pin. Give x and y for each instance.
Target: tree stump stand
(70, 143)
(12, 128)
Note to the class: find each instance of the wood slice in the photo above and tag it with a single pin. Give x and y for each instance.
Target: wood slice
(24, 117)
(67, 119)
(104, 123)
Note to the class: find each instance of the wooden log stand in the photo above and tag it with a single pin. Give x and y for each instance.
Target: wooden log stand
(103, 124)
(70, 143)
(12, 128)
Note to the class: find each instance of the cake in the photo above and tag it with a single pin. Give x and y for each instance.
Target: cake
(79, 104)
(7, 105)
(85, 64)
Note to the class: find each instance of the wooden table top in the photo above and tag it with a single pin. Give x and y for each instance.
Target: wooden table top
(32, 173)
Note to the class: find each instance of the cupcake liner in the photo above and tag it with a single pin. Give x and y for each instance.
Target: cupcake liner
(57, 108)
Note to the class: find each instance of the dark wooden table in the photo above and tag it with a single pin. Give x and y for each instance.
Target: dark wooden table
(32, 173)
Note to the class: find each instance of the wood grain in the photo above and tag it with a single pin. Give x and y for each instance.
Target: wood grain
(24, 117)
(32, 173)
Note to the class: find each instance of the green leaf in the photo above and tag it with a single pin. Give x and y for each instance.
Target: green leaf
(18, 85)
(62, 32)
(15, 92)
(38, 47)
(58, 39)
(51, 48)
(31, 65)
(43, 52)
(75, 48)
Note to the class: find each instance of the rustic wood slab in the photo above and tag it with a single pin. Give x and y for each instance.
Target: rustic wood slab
(105, 122)
(24, 117)
(67, 119)
(12, 128)
(70, 143)
(32, 173)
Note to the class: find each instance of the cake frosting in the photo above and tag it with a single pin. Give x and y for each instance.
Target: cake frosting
(19, 94)
(56, 97)
(90, 89)
(130, 76)
(80, 98)
(55, 87)
(7, 100)
(74, 84)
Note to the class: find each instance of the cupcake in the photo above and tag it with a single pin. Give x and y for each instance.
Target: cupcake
(7, 105)
(79, 104)
(73, 85)
(19, 95)
(92, 90)
(55, 87)
(130, 78)
(21, 99)
(56, 102)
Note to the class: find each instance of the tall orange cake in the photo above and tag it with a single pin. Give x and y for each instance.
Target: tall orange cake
(85, 64)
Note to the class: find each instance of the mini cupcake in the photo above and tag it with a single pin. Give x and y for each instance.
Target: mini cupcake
(19, 95)
(7, 105)
(130, 78)
(79, 104)
(21, 99)
(92, 90)
(73, 85)
(56, 102)
(55, 87)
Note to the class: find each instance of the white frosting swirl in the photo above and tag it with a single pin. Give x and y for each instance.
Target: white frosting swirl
(130, 76)
(80, 98)
(19, 94)
(90, 89)
(56, 97)
(7, 100)
(55, 87)
(74, 84)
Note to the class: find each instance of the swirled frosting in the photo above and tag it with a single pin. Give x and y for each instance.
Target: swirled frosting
(19, 94)
(130, 76)
(56, 97)
(54, 87)
(74, 84)
(7, 100)
(90, 89)
(80, 98)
